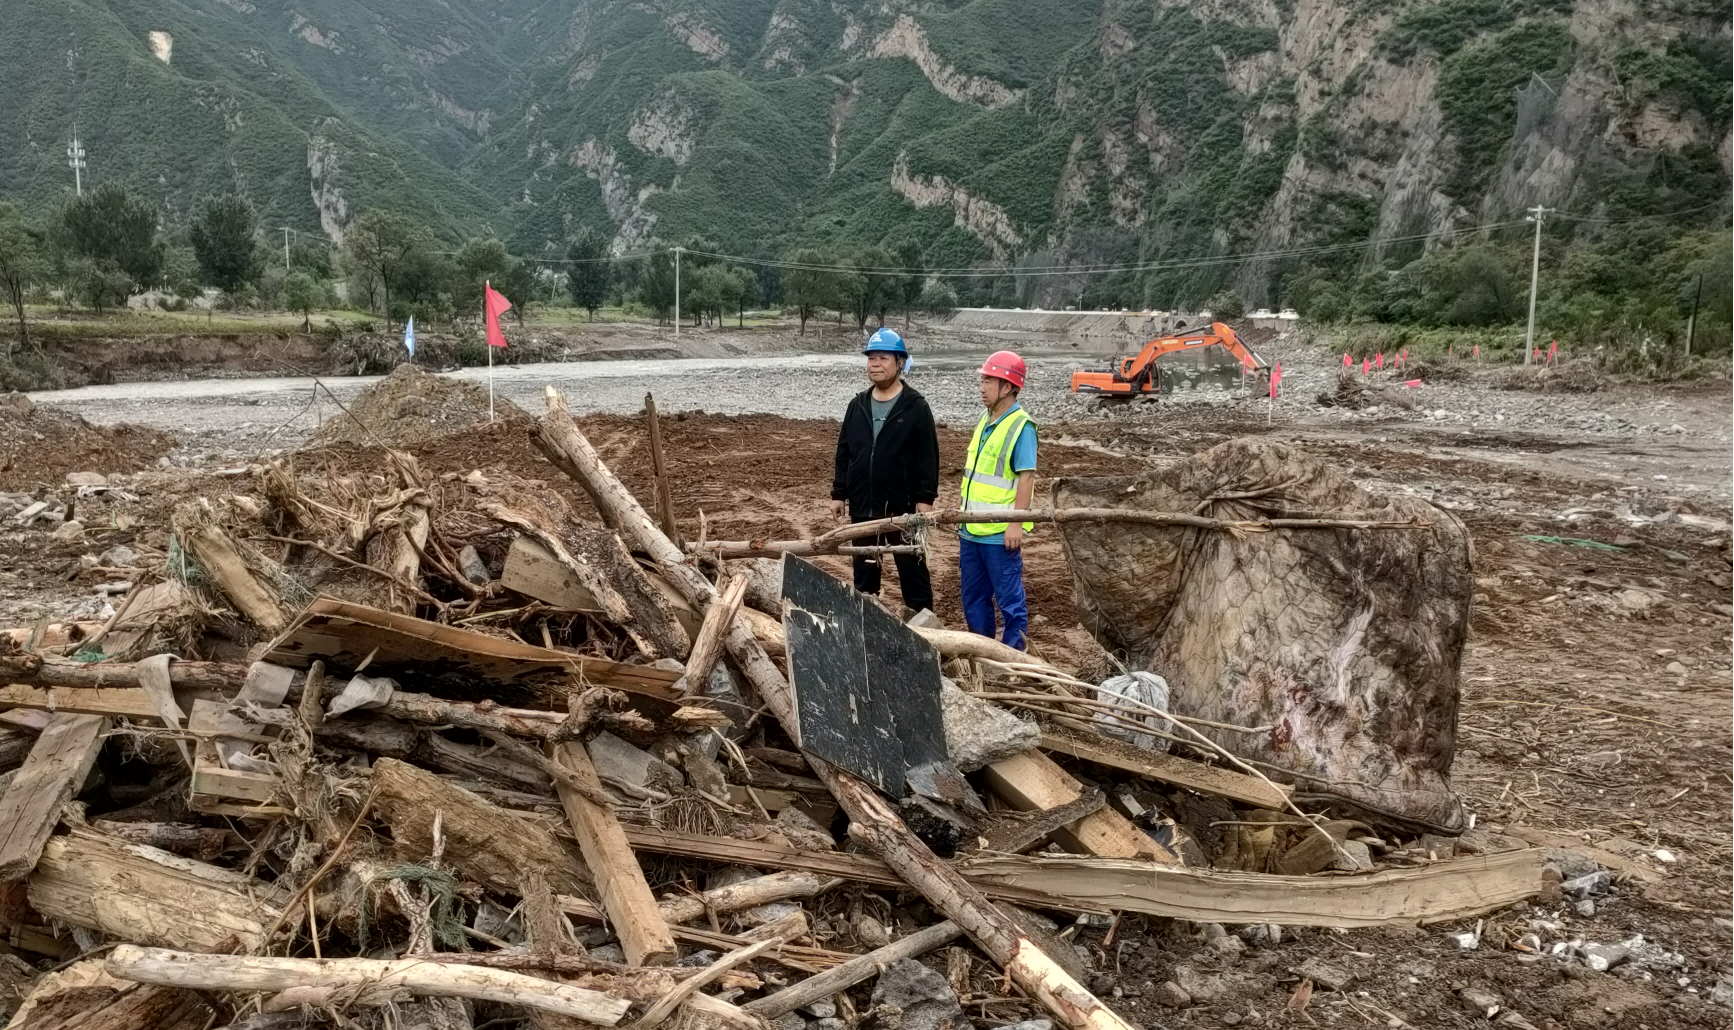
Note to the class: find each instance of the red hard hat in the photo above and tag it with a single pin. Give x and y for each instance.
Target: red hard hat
(1004, 364)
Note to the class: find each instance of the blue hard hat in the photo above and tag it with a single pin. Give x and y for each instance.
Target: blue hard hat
(885, 340)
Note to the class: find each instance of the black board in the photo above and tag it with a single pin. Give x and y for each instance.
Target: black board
(866, 685)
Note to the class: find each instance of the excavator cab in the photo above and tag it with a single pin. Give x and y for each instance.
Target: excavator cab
(1139, 376)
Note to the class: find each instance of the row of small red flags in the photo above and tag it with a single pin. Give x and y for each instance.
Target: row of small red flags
(1401, 358)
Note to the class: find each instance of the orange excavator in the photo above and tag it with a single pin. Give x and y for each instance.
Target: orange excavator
(1138, 375)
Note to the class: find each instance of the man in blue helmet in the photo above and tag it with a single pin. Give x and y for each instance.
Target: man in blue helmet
(887, 464)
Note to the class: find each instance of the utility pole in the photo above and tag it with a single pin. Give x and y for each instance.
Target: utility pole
(75, 160)
(285, 248)
(1534, 215)
(677, 291)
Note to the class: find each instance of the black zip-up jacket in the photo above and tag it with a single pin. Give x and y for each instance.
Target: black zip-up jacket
(892, 475)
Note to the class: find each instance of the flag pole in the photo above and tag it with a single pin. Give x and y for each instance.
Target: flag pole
(488, 345)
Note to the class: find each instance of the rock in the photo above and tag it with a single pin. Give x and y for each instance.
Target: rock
(619, 761)
(1482, 1000)
(1325, 974)
(119, 556)
(1597, 882)
(1231, 1019)
(1030, 1024)
(1723, 993)
(1603, 957)
(86, 479)
(69, 530)
(828, 1023)
(1512, 1021)
(977, 732)
(1355, 857)
(1571, 863)
(699, 959)
(925, 619)
(1465, 941)
(1201, 987)
(1261, 933)
(17, 404)
(788, 1021)
(473, 567)
(924, 1000)
(1437, 845)
(1228, 946)
(1677, 669)
(824, 1008)
(870, 932)
(1211, 931)
(1170, 995)
(1586, 908)
(613, 953)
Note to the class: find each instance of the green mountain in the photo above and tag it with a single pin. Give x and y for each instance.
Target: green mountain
(1009, 132)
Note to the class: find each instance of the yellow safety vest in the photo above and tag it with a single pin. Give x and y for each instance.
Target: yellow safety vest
(988, 483)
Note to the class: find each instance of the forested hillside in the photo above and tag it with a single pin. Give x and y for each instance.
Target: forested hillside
(1328, 137)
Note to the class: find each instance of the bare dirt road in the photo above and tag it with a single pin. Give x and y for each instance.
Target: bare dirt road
(1596, 689)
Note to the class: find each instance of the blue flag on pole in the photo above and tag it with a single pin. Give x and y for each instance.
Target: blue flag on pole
(409, 336)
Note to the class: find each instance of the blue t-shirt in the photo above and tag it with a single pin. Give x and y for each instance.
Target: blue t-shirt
(1023, 459)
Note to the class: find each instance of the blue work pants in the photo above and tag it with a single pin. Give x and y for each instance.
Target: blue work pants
(992, 583)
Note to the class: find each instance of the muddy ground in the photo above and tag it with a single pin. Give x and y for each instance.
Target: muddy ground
(1595, 706)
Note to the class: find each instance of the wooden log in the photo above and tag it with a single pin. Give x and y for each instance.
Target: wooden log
(59, 763)
(950, 643)
(626, 897)
(219, 556)
(659, 469)
(1032, 782)
(84, 997)
(15, 745)
(131, 892)
(224, 677)
(760, 890)
(664, 1006)
(380, 978)
(1181, 772)
(707, 648)
(201, 842)
(871, 818)
(828, 543)
(857, 970)
(483, 841)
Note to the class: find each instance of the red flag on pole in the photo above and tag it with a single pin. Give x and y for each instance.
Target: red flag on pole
(1366, 365)
(1477, 354)
(1275, 379)
(1345, 359)
(495, 304)
(1379, 360)
(1552, 351)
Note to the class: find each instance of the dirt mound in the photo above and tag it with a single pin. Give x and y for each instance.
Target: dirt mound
(1569, 377)
(411, 407)
(1345, 646)
(39, 447)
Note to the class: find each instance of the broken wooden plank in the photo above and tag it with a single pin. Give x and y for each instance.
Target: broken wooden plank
(533, 570)
(840, 978)
(119, 702)
(1440, 892)
(377, 980)
(626, 897)
(131, 892)
(485, 842)
(659, 472)
(730, 851)
(344, 634)
(1031, 781)
(707, 646)
(54, 773)
(84, 997)
(217, 789)
(1181, 772)
(1016, 835)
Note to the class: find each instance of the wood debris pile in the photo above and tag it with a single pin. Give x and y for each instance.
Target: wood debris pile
(444, 739)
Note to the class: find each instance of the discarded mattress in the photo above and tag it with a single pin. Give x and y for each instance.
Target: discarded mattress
(1346, 643)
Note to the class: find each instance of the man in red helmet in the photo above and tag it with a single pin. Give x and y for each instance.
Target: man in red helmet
(998, 475)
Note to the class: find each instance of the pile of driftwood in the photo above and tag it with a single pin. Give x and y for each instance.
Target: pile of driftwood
(460, 736)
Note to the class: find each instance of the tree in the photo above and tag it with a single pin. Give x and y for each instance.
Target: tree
(938, 298)
(20, 266)
(874, 270)
(379, 247)
(708, 292)
(911, 280)
(656, 280)
(587, 270)
(746, 292)
(303, 293)
(1226, 304)
(518, 283)
(115, 231)
(222, 235)
(806, 285)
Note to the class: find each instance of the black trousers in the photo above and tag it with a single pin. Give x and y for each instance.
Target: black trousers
(911, 572)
